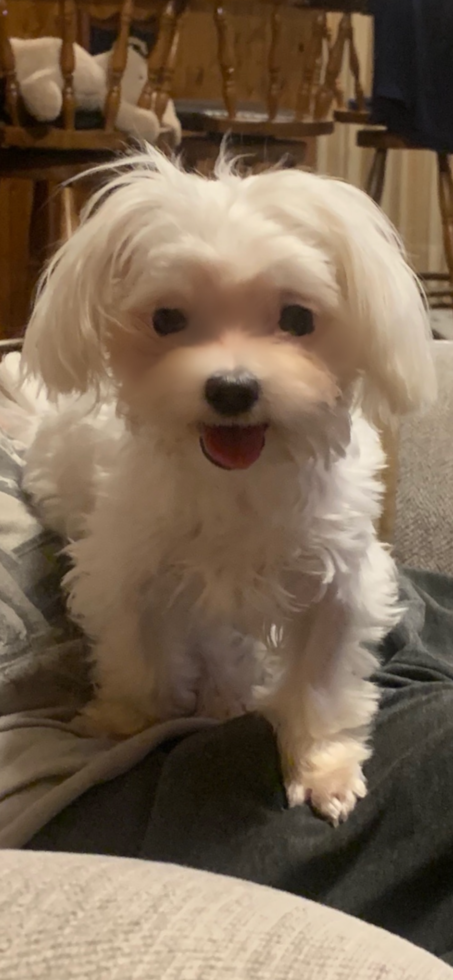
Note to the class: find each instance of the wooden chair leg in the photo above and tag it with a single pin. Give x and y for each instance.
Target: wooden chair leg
(45, 226)
(376, 177)
(445, 189)
(68, 213)
(53, 220)
(38, 231)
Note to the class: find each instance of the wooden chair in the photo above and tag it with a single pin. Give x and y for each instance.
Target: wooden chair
(49, 154)
(378, 139)
(265, 132)
(7, 346)
(382, 142)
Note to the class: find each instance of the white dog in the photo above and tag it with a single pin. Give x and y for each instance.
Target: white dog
(221, 482)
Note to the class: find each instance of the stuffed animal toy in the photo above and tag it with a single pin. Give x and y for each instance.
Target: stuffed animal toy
(41, 85)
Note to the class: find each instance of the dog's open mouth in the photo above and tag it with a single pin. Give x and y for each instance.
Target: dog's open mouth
(233, 447)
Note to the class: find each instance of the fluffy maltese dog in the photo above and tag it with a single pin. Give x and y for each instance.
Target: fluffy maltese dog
(213, 350)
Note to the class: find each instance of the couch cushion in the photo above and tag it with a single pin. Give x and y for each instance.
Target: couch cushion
(96, 918)
(424, 511)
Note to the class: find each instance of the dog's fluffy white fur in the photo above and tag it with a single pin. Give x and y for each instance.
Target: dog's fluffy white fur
(182, 571)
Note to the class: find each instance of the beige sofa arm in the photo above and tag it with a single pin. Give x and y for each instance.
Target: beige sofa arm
(78, 917)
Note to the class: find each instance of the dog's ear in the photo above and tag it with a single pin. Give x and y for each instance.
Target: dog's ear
(79, 297)
(385, 302)
(63, 341)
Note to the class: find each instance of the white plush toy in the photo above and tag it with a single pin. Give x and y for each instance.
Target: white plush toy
(41, 85)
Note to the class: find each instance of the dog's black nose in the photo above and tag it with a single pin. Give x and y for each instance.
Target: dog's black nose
(232, 394)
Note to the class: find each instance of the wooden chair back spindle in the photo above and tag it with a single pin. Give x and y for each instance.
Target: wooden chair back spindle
(323, 43)
(226, 60)
(354, 67)
(7, 67)
(162, 59)
(147, 95)
(165, 83)
(312, 66)
(68, 16)
(275, 68)
(358, 113)
(329, 87)
(117, 65)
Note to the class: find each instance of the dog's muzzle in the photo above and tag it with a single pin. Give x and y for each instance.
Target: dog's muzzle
(231, 446)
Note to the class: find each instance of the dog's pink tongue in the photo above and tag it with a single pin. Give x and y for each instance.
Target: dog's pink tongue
(234, 447)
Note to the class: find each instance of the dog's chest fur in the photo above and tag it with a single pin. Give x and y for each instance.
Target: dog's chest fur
(248, 548)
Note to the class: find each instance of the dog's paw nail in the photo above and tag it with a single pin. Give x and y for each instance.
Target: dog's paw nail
(337, 799)
(332, 795)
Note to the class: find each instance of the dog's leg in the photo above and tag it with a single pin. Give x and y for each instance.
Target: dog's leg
(142, 671)
(124, 699)
(323, 709)
(142, 668)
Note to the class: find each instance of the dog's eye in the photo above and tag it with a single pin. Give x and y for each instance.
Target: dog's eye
(297, 320)
(167, 321)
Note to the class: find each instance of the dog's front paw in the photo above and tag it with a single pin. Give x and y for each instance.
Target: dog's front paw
(333, 798)
(331, 789)
(115, 719)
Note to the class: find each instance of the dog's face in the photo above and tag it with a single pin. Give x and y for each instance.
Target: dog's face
(233, 312)
(231, 358)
